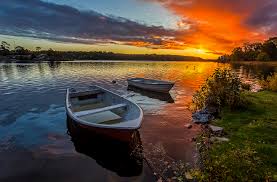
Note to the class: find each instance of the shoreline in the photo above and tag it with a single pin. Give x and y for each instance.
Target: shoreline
(99, 61)
(130, 60)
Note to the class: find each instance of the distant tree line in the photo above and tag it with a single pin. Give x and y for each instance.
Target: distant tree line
(266, 51)
(20, 53)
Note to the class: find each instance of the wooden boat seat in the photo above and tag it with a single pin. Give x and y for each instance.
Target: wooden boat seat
(106, 117)
(94, 111)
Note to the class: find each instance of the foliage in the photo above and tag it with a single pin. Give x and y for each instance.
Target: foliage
(237, 54)
(221, 89)
(263, 56)
(266, 51)
(5, 45)
(225, 58)
(251, 51)
(92, 55)
(270, 48)
(4, 48)
(251, 153)
(38, 49)
(21, 50)
(270, 83)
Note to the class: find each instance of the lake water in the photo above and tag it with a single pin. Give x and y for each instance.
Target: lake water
(35, 146)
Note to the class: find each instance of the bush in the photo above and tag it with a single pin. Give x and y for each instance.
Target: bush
(221, 89)
(270, 83)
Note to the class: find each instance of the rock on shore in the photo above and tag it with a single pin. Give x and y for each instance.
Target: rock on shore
(205, 115)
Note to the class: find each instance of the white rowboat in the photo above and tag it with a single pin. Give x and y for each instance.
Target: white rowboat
(102, 111)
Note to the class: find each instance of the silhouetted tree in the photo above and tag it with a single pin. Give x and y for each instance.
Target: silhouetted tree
(263, 56)
(270, 48)
(38, 49)
(273, 39)
(21, 50)
(237, 54)
(4, 48)
(266, 51)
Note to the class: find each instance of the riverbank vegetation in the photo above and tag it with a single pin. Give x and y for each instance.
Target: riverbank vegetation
(221, 89)
(20, 53)
(249, 149)
(257, 51)
(270, 83)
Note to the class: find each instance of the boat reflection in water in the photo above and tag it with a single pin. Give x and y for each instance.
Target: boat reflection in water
(154, 95)
(123, 158)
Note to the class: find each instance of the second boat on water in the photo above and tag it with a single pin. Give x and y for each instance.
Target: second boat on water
(152, 85)
(99, 110)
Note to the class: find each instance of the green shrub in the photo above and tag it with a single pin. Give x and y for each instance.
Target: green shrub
(270, 83)
(221, 89)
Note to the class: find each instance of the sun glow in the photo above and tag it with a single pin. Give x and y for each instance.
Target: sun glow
(200, 51)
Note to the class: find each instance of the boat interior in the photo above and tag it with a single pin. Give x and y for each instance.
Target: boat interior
(100, 107)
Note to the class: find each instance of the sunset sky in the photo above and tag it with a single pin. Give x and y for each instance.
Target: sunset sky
(204, 28)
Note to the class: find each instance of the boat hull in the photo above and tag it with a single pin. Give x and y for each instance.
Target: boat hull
(126, 159)
(164, 88)
(123, 131)
(77, 128)
(162, 96)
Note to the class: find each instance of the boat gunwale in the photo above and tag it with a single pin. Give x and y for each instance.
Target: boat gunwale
(158, 82)
(81, 121)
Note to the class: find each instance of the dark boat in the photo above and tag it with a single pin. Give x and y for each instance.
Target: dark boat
(154, 95)
(150, 84)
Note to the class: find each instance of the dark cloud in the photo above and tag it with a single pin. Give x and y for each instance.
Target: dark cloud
(265, 17)
(38, 19)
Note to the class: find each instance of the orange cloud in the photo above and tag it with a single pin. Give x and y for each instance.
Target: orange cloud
(216, 25)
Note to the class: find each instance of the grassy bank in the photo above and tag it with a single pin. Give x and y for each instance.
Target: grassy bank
(251, 153)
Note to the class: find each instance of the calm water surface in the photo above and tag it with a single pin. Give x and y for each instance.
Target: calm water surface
(34, 144)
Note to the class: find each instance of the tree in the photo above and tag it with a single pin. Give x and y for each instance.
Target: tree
(38, 49)
(4, 48)
(273, 39)
(224, 58)
(263, 56)
(20, 50)
(50, 52)
(251, 51)
(270, 48)
(5, 45)
(237, 54)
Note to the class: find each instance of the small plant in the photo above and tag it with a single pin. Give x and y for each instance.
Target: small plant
(221, 89)
(270, 83)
